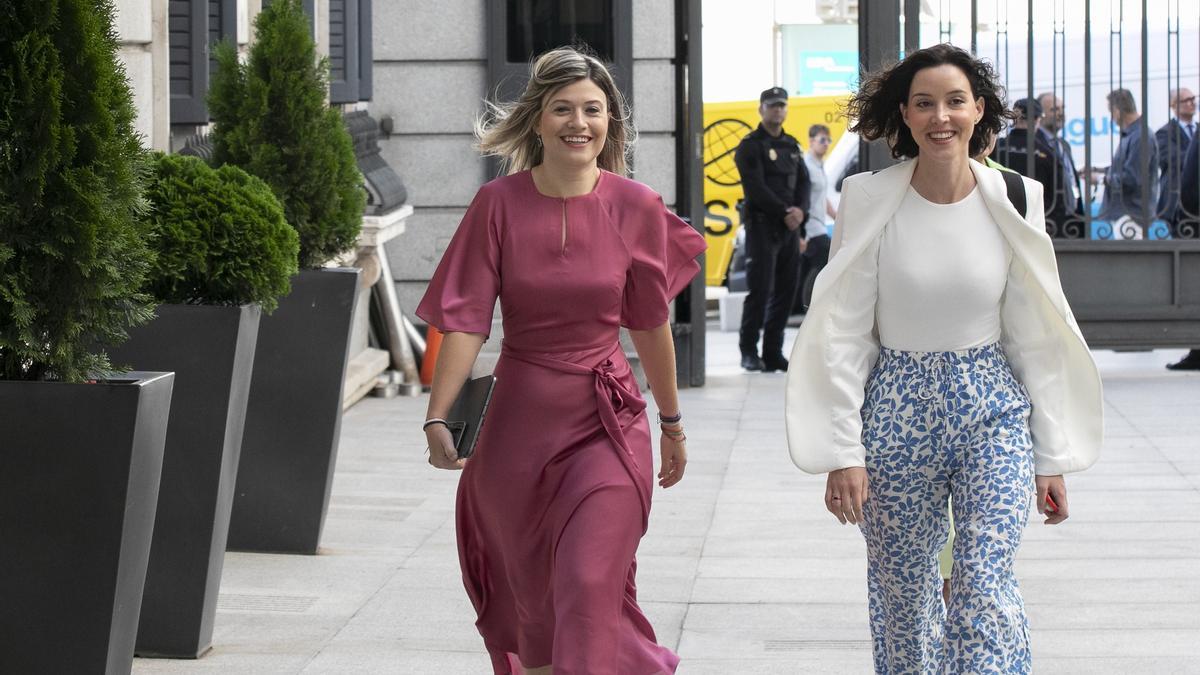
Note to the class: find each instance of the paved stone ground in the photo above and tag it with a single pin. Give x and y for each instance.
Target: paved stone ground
(742, 570)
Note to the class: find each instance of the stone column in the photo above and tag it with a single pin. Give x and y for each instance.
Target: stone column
(142, 27)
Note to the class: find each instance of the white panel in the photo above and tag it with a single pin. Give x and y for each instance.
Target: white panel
(438, 170)
(654, 164)
(429, 97)
(654, 95)
(139, 68)
(422, 30)
(653, 29)
(133, 21)
(243, 22)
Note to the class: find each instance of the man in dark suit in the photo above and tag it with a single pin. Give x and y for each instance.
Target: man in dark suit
(1050, 127)
(1172, 140)
(1013, 152)
(1189, 216)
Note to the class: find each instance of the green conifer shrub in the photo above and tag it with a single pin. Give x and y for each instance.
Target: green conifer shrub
(220, 236)
(73, 249)
(271, 119)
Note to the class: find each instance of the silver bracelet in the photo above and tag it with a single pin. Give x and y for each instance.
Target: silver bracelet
(434, 420)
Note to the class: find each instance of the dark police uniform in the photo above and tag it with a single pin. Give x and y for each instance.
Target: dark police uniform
(773, 178)
(1049, 166)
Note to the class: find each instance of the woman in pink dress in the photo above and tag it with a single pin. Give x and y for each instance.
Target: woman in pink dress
(554, 501)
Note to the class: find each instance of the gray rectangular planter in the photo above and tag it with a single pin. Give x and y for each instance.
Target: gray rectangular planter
(294, 416)
(79, 472)
(211, 350)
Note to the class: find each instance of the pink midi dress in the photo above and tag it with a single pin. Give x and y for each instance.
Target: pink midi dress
(556, 498)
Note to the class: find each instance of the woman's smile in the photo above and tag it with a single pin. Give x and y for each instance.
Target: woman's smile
(577, 141)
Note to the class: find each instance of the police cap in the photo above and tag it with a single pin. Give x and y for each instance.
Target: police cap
(773, 95)
(1029, 108)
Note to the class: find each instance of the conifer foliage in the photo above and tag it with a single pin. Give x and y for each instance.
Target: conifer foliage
(271, 119)
(73, 250)
(219, 235)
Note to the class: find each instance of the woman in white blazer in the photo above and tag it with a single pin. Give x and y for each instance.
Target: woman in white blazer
(939, 357)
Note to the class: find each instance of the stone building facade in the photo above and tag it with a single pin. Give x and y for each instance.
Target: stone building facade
(423, 69)
(431, 77)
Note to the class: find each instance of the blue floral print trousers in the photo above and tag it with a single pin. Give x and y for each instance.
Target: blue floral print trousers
(937, 424)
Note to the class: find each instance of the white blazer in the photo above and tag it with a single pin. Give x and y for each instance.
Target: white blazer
(838, 345)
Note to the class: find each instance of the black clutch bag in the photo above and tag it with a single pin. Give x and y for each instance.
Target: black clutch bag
(466, 415)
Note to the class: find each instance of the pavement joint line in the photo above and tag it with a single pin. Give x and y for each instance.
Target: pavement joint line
(400, 567)
(716, 500)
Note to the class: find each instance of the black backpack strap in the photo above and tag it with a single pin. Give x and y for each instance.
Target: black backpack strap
(1016, 192)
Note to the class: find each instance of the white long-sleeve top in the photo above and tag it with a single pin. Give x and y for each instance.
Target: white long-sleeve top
(942, 269)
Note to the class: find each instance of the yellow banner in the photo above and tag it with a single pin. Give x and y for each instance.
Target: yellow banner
(725, 124)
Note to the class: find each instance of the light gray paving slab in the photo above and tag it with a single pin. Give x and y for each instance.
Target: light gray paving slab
(828, 662)
(774, 617)
(1108, 665)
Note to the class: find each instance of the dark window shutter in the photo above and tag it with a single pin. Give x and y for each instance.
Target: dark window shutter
(188, 45)
(222, 25)
(343, 51)
(366, 56)
(214, 32)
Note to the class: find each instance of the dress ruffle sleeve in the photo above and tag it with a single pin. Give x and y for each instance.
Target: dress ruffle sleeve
(664, 250)
(462, 293)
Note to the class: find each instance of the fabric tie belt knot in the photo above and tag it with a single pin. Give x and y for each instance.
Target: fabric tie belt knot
(611, 396)
(609, 386)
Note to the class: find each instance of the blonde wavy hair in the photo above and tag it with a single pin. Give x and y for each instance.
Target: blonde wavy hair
(506, 130)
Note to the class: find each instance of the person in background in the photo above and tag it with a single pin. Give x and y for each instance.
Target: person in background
(1051, 128)
(1172, 139)
(777, 188)
(814, 247)
(1126, 184)
(1189, 218)
(984, 156)
(850, 169)
(1013, 152)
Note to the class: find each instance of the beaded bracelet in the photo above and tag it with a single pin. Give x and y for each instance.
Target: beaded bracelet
(673, 419)
(434, 420)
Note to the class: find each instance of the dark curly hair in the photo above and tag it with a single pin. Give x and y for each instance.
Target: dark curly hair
(875, 108)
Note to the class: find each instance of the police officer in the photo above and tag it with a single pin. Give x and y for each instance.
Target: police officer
(1048, 167)
(776, 186)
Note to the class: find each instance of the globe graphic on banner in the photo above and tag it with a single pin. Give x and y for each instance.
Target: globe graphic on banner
(721, 139)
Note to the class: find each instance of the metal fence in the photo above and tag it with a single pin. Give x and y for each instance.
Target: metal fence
(1124, 216)
(1074, 53)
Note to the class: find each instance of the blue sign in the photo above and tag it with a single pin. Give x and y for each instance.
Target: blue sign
(824, 73)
